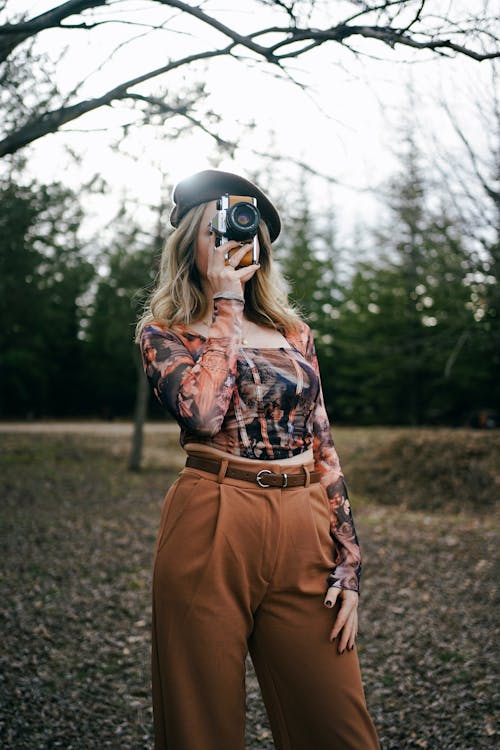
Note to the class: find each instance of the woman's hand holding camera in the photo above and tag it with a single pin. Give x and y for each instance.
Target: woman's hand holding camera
(224, 276)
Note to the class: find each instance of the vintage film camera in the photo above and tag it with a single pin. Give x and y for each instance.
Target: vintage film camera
(237, 218)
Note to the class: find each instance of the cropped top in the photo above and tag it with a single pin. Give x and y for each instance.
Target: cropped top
(259, 403)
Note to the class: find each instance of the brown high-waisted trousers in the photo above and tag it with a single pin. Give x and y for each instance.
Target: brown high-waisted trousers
(240, 568)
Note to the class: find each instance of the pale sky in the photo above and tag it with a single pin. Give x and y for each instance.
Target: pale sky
(347, 125)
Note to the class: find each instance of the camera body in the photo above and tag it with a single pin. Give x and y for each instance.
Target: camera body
(237, 218)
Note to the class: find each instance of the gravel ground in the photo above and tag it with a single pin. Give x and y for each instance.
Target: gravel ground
(77, 537)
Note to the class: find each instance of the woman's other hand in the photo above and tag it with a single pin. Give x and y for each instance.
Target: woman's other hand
(346, 622)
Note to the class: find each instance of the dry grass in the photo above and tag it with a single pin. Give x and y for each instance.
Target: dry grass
(425, 469)
(77, 538)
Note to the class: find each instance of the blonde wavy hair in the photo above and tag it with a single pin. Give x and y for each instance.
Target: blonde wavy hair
(179, 298)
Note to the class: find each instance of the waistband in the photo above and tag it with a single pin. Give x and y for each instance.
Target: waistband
(299, 475)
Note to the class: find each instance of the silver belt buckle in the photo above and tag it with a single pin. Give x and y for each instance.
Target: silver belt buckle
(267, 471)
(257, 478)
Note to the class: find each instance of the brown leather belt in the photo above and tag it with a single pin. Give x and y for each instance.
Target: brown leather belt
(264, 477)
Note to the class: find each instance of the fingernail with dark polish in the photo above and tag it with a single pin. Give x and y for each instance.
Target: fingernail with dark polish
(328, 603)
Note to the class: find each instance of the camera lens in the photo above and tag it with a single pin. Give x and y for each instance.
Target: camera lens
(243, 217)
(242, 221)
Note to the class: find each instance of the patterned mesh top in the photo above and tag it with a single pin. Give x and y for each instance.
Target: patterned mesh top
(257, 403)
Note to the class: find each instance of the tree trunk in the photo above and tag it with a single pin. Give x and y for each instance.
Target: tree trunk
(141, 406)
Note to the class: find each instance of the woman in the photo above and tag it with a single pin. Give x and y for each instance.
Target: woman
(256, 549)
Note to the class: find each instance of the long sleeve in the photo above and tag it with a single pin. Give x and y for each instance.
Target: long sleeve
(196, 393)
(347, 572)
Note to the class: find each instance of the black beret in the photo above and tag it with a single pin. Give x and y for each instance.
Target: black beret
(210, 184)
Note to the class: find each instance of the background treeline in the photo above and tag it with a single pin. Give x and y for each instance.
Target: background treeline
(405, 314)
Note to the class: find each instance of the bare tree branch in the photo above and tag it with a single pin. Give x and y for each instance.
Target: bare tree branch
(246, 41)
(16, 33)
(488, 189)
(289, 10)
(128, 41)
(416, 17)
(442, 36)
(338, 33)
(163, 107)
(388, 35)
(374, 9)
(50, 122)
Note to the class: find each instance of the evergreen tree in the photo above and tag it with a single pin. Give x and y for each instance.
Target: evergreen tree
(42, 276)
(308, 256)
(404, 315)
(131, 264)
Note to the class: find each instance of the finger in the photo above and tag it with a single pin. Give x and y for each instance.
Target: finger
(248, 276)
(225, 246)
(238, 254)
(248, 272)
(347, 633)
(354, 635)
(331, 596)
(232, 245)
(342, 616)
(218, 254)
(245, 272)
